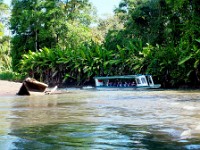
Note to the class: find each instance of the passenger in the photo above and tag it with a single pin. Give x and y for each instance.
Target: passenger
(125, 84)
(133, 84)
(110, 84)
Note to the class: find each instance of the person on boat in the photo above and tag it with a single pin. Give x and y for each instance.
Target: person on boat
(125, 84)
(133, 84)
(114, 84)
(119, 84)
(110, 84)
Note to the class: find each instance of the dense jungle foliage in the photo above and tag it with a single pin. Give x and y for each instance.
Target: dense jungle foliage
(62, 41)
(5, 61)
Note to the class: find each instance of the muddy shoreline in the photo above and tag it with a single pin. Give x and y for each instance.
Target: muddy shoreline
(9, 88)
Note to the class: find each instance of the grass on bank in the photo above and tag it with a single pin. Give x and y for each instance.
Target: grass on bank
(11, 76)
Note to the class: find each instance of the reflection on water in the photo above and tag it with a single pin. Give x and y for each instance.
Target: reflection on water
(93, 136)
(102, 120)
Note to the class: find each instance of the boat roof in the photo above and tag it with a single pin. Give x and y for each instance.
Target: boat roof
(119, 77)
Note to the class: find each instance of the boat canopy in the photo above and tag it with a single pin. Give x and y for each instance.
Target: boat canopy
(119, 77)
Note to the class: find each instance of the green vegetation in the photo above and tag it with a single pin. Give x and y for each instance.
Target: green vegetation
(5, 60)
(53, 41)
(6, 72)
(11, 76)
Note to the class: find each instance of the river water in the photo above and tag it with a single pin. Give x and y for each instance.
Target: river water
(119, 120)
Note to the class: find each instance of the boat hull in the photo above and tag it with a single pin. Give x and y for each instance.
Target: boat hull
(155, 86)
(31, 86)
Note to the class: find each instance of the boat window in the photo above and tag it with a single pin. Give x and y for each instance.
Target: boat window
(138, 81)
(149, 80)
(143, 80)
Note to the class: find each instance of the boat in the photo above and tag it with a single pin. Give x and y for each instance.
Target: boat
(126, 82)
(31, 86)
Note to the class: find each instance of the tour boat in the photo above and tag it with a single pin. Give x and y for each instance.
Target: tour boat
(126, 82)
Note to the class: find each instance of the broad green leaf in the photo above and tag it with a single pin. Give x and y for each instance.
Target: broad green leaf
(185, 59)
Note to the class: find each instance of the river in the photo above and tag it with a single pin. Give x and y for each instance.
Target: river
(93, 120)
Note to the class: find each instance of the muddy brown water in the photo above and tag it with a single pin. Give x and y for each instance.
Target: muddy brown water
(91, 119)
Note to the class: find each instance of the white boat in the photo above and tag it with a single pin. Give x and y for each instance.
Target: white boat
(126, 82)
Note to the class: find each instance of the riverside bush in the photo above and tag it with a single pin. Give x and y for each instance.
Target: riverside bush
(11, 76)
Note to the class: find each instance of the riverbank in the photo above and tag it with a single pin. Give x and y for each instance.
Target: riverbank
(9, 88)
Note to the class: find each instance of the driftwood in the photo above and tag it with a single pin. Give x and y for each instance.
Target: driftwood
(51, 91)
(31, 86)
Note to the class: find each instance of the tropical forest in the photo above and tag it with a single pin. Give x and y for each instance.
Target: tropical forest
(64, 42)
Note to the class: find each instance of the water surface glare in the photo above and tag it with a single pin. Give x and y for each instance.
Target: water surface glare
(83, 119)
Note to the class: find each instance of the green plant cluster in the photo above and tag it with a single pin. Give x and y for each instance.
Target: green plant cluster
(170, 30)
(11, 76)
(79, 65)
(5, 60)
